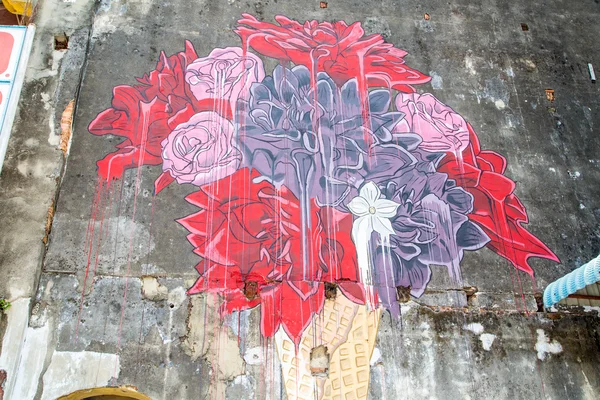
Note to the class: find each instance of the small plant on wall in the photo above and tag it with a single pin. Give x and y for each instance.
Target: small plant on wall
(4, 304)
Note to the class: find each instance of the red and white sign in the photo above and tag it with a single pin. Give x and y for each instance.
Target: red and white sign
(4, 95)
(11, 43)
(15, 45)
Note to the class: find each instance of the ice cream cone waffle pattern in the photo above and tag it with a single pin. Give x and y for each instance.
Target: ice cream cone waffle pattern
(348, 330)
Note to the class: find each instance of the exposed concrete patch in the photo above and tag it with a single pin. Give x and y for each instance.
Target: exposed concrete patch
(241, 388)
(72, 371)
(114, 251)
(31, 364)
(374, 25)
(545, 347)
(50, 70)
(12, 344)
(176, 298)
(254, 356)
(195, 344)
(213, 341)
(495, 90)
(226, 361)
(152, 290)
(319, 361)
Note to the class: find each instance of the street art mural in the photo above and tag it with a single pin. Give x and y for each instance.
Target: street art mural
(324, 187)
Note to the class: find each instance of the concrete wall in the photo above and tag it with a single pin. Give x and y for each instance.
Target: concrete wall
(117, 313)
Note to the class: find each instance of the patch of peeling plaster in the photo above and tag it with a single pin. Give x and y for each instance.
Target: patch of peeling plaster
(545, 347)
(476, 328)
(72, 371)
(487, 339)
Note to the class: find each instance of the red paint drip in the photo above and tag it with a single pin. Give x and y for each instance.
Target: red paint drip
(89, 243)
(145, 108)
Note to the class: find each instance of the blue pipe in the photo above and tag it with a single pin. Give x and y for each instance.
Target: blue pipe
(576, 280)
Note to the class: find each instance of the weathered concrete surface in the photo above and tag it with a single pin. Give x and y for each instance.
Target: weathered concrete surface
(33, 165)
(173, 346)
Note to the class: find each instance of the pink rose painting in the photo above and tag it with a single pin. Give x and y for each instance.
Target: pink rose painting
(224, 74)
(440, 127)
(200, 151)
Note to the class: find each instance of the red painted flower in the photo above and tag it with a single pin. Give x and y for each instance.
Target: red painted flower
(145, 114)
(250, 238)
(495, 207)
(336, 48)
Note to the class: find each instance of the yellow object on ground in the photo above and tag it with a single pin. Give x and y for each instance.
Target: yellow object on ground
(108, 393)
(19, 7)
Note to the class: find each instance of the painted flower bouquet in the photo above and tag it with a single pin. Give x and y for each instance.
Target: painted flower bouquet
(328, 171)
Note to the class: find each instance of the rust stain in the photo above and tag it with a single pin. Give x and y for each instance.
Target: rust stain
(49, 220)
(66, 127)
(251, 290)
(2, 379)
(550, 94)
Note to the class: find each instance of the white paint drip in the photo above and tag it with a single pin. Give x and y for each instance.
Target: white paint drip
(545, 347)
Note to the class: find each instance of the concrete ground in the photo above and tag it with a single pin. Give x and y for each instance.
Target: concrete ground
(62, 334)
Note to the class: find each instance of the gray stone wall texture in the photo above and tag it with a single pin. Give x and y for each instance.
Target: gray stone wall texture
(119, 315)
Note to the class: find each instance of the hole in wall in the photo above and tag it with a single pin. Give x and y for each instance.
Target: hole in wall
(403, 294)
(323, 4)
(330, 290)
(471, 292)
(539, 301)
(524, 27)
(426, 17)
(251, 290)
(61, 42)
(319, 361)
